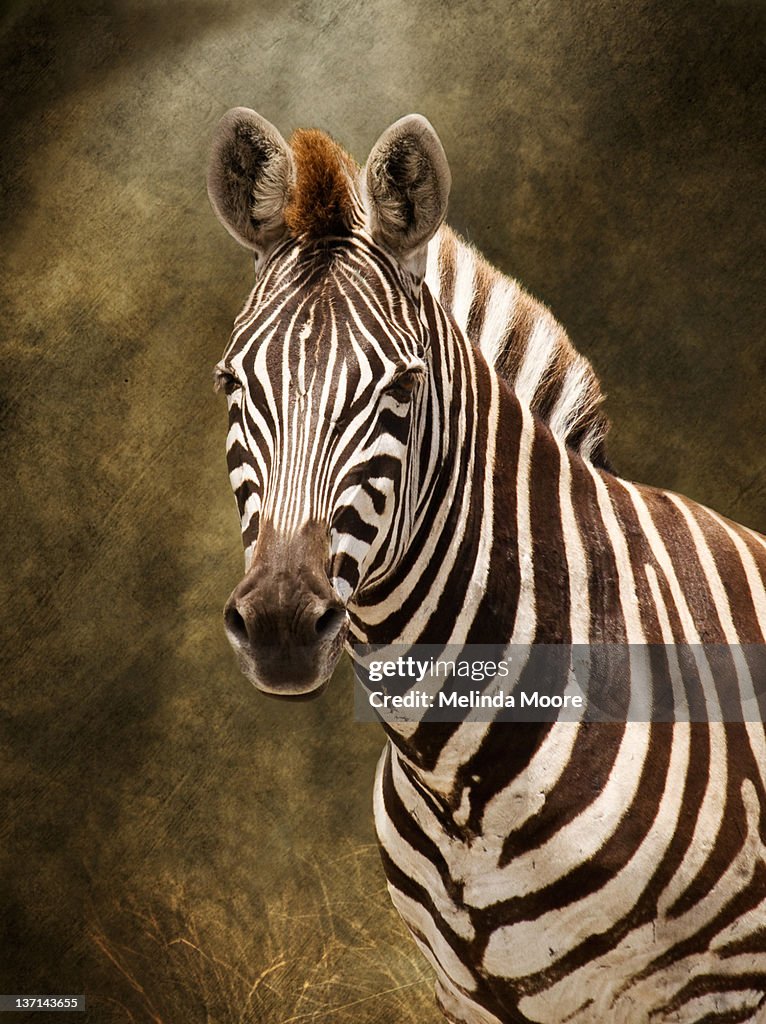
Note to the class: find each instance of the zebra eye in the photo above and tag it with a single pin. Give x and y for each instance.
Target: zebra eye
(402, 388)
(225, 380)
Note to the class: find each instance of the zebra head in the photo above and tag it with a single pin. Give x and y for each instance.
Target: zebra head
(327, 378)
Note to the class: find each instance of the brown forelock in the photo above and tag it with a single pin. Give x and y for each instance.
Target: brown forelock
(321, 202)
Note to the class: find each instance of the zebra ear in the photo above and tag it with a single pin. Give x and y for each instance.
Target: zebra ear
(406, 185)
(249, 178)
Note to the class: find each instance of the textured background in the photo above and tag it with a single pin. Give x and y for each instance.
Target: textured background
(173, 844)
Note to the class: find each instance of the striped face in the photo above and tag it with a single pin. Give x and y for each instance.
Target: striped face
(325, 377)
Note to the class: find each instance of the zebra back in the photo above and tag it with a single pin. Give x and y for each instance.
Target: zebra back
(520, 337)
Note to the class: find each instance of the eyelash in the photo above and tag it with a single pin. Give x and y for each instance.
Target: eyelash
(226, 381)
(403, 387)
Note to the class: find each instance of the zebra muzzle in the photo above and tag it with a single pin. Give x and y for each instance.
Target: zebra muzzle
(284, 619)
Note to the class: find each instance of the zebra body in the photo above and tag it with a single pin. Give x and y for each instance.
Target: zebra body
(550, 939)
(390, 475)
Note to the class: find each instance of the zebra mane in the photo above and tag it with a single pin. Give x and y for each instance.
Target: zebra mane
(521, 338)
(322, 200)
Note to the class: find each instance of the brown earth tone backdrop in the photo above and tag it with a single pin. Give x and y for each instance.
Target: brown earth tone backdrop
(173, 845)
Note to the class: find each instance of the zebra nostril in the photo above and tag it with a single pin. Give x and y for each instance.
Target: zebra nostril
(329, 622)
(235, 625)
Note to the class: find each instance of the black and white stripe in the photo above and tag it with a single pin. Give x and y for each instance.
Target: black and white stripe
(552, 872)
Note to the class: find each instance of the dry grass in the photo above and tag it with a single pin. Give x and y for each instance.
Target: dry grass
(327, 951)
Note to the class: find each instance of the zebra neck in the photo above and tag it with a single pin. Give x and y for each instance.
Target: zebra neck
(494, 555)
(477, 582)
(496, 595)
(433, 592)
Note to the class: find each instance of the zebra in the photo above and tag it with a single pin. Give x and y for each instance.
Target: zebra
(417, 454)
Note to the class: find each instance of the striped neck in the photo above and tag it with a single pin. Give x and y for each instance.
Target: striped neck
(487, 562)
(465, 574)
(432, 593)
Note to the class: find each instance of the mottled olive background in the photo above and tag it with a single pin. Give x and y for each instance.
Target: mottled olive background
(174, 845)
